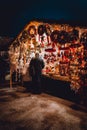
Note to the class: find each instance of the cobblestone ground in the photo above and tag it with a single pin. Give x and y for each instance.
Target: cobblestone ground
(21, 110)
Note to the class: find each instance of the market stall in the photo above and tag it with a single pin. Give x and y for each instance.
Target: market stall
(63, 48)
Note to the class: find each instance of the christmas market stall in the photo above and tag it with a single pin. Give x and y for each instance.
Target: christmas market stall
(63, 48)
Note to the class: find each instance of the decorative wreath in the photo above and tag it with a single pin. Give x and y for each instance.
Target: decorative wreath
(54, 36)
(73, 35)
(41, 29)
(62, 37)
(32, 30)
(48, 30)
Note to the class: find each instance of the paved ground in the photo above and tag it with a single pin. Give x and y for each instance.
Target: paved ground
(21, 110)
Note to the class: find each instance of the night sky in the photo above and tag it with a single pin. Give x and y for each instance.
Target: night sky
(15, 14)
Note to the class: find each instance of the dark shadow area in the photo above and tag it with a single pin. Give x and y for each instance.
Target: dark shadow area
(28, 86)
(78, 108)
(58, 88)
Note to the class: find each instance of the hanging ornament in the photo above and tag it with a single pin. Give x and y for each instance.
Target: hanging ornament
(41, 29)
(32, 31)
(48, 30)
(54, 36)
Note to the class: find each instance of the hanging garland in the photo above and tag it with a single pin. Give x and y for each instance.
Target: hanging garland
(62, 37)
(54, 36)
(41, 29)
(32, 31)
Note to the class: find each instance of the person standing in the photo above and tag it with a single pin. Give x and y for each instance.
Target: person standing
(35, 70)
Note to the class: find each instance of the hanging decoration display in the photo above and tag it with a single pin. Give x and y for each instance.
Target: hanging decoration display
(64, 51)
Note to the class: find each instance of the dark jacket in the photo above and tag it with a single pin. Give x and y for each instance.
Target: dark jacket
(35, 67)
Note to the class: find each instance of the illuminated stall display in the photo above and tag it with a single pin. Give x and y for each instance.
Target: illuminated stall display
(63, 48)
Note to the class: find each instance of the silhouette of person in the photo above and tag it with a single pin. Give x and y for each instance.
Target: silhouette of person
(35, 70)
